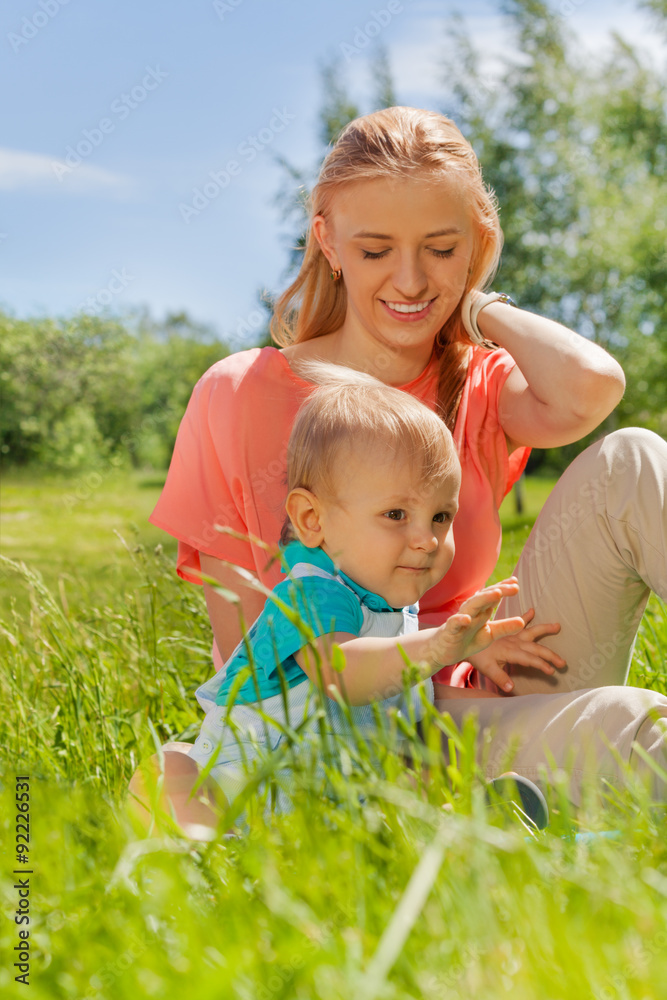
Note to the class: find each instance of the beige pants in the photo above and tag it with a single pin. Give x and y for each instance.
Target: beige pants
(598, 547)
(582, 734)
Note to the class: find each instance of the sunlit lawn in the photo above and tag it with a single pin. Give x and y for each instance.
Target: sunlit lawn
(69, 528)
(385, 888)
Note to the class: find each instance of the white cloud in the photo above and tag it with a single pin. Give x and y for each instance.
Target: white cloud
(21, 171)
(595, 32)
(419, 49)
(417, 56)
(418, 59)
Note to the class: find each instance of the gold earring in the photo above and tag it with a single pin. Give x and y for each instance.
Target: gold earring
(336, 275)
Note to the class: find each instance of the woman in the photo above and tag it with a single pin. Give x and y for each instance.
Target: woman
(404, 237)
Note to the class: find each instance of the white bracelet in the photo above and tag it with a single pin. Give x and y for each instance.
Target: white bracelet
(471, 307)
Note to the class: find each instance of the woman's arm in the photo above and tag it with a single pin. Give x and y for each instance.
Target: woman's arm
(563, 386)
(223, 614)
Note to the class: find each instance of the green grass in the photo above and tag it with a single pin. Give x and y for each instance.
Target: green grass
(75, 531)
(69, 529)
(412, 892)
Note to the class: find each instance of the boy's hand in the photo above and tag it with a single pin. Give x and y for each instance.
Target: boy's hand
(522, 649)
(470, 630)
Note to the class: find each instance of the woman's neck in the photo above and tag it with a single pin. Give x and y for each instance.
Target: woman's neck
(394, 366)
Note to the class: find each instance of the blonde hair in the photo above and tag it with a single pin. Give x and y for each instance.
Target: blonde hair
(393, 142)
(349, 410)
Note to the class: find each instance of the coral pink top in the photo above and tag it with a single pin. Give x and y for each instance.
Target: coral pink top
(229, 469)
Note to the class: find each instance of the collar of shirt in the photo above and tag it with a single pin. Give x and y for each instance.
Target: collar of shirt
(296, 552)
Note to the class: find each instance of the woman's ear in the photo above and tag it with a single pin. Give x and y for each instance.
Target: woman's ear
(323, 235)
(303, 510)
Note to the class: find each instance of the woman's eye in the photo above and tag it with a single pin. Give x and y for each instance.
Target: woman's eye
(395, 515)
(368, 255)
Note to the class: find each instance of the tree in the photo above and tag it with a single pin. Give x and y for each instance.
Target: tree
(383, 83)
(68, 390)
(79, 391)
(576, 150)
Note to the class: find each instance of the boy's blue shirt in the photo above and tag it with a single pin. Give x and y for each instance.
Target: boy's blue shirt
(323, 604)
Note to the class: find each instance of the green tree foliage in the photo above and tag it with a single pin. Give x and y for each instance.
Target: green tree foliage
(337, 109)
(659, 9)
(575, 147)
(383, 82)
(84, 390)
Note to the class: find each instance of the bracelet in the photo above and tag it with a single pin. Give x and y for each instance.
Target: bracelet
(473, 304)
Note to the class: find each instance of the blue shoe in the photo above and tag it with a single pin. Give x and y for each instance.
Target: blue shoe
(524, 794)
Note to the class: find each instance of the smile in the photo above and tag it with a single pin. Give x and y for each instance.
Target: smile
(408, 311)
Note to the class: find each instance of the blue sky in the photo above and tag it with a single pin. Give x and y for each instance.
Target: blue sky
(156, 97)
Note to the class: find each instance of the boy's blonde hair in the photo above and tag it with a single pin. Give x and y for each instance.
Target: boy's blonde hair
(393, 143)
(350, 411)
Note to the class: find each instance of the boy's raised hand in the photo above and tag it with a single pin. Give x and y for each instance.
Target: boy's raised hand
(523, 649)
(470, 630)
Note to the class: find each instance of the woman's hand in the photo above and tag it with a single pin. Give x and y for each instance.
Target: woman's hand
(471, 630)
(522, 649)
(563, 385)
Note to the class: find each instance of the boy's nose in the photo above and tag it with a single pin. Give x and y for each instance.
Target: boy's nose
(424, 538)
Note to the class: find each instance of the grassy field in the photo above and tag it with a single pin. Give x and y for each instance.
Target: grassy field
(75, 532)
(381, 888)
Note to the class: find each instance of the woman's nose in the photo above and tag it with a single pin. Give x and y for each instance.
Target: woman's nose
(409, 277)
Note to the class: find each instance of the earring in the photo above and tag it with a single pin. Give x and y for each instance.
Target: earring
(336, 275)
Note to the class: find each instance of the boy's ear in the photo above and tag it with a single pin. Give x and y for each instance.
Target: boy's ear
(303, 510)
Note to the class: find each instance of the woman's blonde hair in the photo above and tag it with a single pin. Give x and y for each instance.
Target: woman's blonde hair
(394, 142)
(350, 412)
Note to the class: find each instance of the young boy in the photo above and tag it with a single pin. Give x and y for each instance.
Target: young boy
(373, 481)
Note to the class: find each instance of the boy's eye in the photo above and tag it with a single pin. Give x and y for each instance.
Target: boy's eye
(395, 515)
(442, 516)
